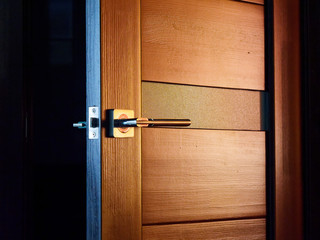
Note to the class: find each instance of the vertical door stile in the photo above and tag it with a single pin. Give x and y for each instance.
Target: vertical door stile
(121, 89)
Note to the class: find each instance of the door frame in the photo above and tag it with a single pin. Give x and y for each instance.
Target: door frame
(93, 97)
(287, 187)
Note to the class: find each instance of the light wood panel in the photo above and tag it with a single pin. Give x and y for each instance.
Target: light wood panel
(253, 229)
(213, 108)
(287, 95)
(190, 175)
(120, 88)
(211, 43)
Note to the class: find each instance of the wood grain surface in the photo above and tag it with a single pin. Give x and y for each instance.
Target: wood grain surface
(287, 92)
(120, 88)
(191, 175)
(211, 108)
(253, 229)
(210, 43)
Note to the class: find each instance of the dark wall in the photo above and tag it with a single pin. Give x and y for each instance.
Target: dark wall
(42, 84)
(311, 115)
(55, 79)
(11, 123)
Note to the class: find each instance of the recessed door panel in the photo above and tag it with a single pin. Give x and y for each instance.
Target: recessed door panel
(194, 175)
(213, 43)
(210, 108)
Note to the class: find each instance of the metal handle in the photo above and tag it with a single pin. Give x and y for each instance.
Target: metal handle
(121, 123)
(149, 122)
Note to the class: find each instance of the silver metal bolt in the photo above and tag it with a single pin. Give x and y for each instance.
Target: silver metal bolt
(93, 110)
(93, 134)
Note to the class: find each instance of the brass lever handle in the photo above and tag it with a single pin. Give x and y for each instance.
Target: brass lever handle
(121, 123)
(149, 122)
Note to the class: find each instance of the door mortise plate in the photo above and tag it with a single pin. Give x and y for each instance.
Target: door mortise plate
(121, 123)
(93, 124)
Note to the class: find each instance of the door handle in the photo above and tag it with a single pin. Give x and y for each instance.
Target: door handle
(120, 123)
(149, 122)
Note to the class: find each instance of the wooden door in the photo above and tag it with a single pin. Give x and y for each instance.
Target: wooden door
(195, 59)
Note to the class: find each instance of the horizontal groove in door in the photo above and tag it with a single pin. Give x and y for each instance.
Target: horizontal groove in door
(253, 1)
(193, 175)
(253, 229)
(208, 108)
(211, 43)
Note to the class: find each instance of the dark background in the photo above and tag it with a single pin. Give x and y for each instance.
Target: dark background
(42, 84)
(43, 91)
(310, 61)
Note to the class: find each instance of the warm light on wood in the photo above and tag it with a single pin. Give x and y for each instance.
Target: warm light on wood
(212, 43)
(188, 174)
(191, 175)
(120, 88)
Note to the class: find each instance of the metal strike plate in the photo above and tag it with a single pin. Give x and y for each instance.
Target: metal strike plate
(113, 114)
(93, 125)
